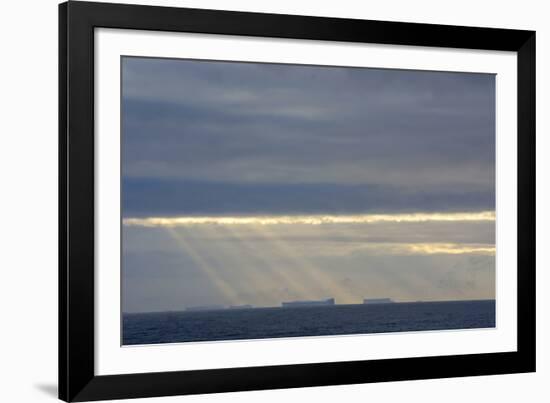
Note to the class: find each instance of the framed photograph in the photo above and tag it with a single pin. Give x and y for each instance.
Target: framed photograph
(259, 201)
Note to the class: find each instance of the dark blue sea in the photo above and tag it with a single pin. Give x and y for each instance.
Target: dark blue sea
(259, 323)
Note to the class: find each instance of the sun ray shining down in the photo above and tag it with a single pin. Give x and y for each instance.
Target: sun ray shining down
(277, 276)
(306, 268)
(239, 264)
(227, 291)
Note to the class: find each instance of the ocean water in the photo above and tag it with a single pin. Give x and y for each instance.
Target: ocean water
(259, 323)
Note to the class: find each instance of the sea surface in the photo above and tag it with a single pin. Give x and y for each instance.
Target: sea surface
(259, 323)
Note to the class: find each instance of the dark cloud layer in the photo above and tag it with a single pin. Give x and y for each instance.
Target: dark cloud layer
(149, 197)
(220, 137)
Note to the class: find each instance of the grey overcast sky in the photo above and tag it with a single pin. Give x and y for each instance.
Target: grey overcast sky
(229, 139)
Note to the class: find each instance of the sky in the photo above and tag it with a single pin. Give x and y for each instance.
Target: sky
(254, 183)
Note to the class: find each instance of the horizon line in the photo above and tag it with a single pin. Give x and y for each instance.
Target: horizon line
(226, 307)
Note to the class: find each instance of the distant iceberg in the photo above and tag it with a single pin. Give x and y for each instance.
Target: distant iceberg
(322, 302)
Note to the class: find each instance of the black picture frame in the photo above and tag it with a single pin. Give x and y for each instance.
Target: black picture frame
(77, 379)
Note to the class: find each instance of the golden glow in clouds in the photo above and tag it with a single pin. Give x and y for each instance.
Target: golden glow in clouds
(308, 219)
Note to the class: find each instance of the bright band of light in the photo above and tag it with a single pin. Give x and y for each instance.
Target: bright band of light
(446, 249)
(308, 219)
